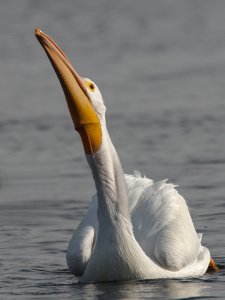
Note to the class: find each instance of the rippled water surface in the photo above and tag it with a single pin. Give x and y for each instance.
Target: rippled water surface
(161, 68)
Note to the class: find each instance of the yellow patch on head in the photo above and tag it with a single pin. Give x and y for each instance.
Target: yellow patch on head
(90, 85)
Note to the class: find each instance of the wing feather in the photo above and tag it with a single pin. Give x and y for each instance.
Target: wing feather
(82, 242)
(162, 224)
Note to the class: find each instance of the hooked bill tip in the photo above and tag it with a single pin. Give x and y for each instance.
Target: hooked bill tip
(38, 31)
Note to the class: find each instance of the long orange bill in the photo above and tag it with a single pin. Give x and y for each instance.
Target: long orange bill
(85, 119)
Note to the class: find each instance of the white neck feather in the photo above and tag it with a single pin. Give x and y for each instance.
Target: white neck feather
(117, 254)
(109, 181)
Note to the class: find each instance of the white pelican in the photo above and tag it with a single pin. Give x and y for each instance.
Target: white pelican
(134, 228)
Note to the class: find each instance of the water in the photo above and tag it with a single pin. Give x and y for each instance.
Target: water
(161, 68)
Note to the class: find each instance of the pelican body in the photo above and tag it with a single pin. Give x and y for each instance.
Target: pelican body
(134, 229)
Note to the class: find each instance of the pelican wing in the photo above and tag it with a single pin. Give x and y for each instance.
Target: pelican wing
(162, 223)
(82, 242)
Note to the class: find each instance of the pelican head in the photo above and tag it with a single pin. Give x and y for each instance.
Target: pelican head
(83, 97)
(96, 99)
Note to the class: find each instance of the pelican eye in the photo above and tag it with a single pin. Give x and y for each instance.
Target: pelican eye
(91, 86)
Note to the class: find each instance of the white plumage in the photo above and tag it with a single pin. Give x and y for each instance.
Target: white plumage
(161, 224)
(134, 228)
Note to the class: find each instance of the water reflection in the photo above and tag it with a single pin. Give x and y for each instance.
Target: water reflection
(161, 289)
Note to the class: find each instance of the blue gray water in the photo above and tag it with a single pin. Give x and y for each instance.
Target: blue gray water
(161, 68)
